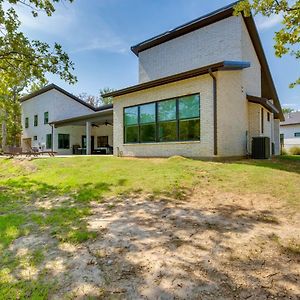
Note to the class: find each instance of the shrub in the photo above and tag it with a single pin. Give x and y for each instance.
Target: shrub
(295, 150)
(284, 151)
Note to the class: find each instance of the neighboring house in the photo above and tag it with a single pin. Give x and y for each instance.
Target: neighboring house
(290, 130)
(205, 90)
(42, 108)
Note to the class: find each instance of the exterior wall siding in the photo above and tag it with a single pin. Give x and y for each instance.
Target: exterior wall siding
(203, 148)
(255, 125)
(59, 107)
(289, 135)
(232, 114)
(213, 43)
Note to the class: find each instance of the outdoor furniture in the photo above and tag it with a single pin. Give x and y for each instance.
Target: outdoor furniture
(13, 151)
(50, 153)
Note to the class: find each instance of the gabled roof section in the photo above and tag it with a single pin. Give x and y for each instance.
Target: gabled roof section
(292, 118)
(195, 24)
(268, 87)
(55, 87)
(221, 66)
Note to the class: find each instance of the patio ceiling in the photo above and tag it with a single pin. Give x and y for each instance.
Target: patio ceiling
(99, 118)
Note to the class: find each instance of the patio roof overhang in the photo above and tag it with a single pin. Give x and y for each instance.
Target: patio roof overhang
(267, 104)
(102, 117)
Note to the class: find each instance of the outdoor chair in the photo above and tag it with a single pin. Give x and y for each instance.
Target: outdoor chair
(13, 151)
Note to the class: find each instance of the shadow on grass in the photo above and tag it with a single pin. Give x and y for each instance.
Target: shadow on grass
(283, 163)
(155, 249)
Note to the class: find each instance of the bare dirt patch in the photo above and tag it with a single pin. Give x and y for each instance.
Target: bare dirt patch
(213, 246)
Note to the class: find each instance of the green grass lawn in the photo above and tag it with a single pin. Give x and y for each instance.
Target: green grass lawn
(80, 180)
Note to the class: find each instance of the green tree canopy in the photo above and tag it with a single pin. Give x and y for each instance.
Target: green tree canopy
(107, 100)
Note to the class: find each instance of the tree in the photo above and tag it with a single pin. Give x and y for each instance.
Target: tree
(107, 100)
(287, 110)
(90, 99)
(34, 58)
(287, 39)
(25, 63)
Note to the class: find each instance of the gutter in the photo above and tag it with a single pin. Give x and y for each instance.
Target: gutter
(215, 111)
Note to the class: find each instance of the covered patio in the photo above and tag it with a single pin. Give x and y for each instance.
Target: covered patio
(85, 134)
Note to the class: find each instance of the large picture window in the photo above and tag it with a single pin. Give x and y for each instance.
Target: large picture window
(169, 120)
(63, 141)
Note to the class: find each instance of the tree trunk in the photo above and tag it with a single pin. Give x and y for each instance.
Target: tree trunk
(4, 130)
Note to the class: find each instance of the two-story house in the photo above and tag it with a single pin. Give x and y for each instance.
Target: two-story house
(52, 103)
(205, 90)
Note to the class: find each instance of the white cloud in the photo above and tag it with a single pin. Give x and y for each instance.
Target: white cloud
(74, 28)
(60, 23)
(264, 23)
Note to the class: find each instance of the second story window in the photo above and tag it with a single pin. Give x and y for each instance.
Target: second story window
(26, 122)
(36, 120)
(46, 117)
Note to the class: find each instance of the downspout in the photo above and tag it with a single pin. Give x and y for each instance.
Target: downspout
(215, 111)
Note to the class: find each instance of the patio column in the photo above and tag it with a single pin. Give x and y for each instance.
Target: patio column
(88, 138)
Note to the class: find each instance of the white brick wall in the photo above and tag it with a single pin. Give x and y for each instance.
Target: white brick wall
(204, 148)
(232, 114)
(213, 43)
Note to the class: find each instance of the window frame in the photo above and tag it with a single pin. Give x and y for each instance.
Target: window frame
(47, 135)
(63, 134)
(296, 134)
(27, 122)
(99, 137)
(177, 120)
(36, 120)
(35, 137)
(46, 120)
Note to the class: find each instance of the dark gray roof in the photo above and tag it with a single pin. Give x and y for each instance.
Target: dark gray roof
(202, 21)
(291, 118)
(103, 110)
(56, 87)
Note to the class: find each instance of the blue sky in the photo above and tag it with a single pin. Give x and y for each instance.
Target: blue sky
(98, 34)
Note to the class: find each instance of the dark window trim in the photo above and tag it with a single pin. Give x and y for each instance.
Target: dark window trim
(36, 118)
(177, 120)
(46, 112)
(27, 122)
(35, 138)
(297, 134)
(65, 134)
(268, 116)
(49, 134)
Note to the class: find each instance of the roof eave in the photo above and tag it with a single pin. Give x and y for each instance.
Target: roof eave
(220, 66)
(203, 21)
(53, 86)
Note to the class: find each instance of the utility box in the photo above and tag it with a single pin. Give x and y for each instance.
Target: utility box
(261, 147)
